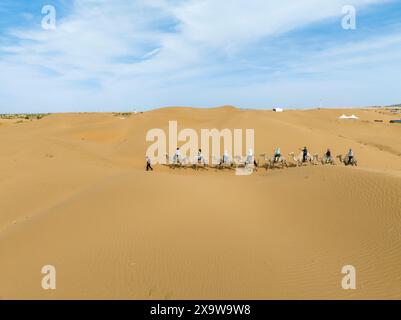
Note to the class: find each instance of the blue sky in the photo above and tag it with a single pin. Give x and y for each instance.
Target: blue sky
(140, 54)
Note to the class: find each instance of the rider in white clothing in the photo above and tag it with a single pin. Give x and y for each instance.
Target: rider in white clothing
(226, 158)
(249, 158)
(177, 155)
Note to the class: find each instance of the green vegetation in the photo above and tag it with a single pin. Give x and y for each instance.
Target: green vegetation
(122, 114)
(394, 107)
(24, 116)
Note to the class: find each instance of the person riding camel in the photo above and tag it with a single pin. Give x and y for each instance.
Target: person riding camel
(177, 156)
(250, 159)
(226, 158)
(305, 154)
(200, 157)
(328, 155)
(277, 155)
(350, 156)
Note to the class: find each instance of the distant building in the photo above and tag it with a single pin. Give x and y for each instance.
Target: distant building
(278, 109)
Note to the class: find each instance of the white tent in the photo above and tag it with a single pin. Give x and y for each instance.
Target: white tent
(354, 117)
(278, 110)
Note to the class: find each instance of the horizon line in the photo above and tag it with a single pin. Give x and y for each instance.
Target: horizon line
(142, 110)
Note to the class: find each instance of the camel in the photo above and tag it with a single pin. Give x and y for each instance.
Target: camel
(199, 163)
(280, 163)
(178, 162)
(265, 161)
(271, 163)
(299, 160)
(183, 163)
(315, 158)
(227, 164)
(326, 160)
(172, 163)
(239, 162)
(346, 161)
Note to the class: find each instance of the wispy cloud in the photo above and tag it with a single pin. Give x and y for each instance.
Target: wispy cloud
(107, 55)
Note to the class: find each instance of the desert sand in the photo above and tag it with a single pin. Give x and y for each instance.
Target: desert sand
(74, 194)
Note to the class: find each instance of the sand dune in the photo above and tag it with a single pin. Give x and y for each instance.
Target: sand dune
(75, 195)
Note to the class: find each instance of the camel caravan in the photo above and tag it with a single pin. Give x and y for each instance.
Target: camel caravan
(229, 160)
(219, 163)
(277, 161)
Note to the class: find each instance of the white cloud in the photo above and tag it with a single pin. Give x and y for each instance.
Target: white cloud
(113, 54)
